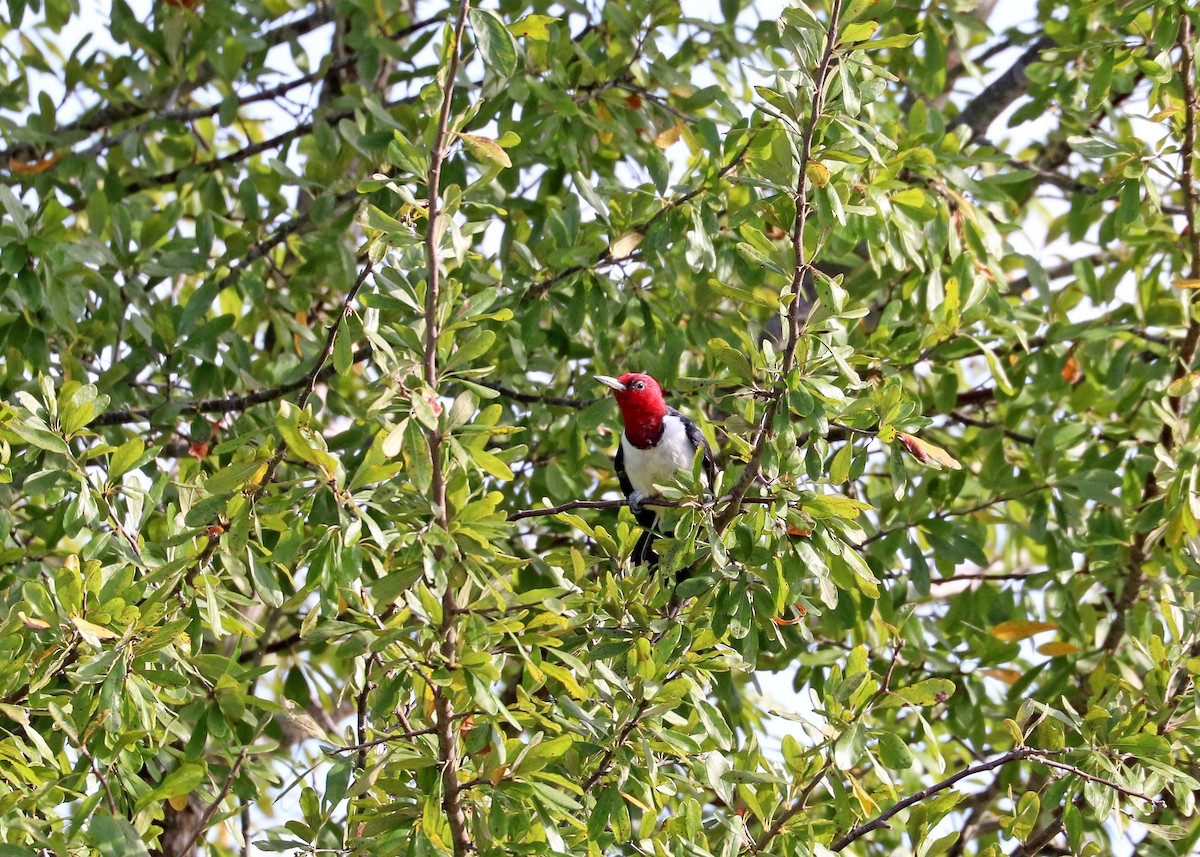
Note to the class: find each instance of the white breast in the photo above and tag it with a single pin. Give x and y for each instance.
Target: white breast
(674, 451)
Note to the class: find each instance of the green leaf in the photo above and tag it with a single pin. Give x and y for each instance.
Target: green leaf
(536, 27)
(894, 752)
(839, 469)
(931, 691)
(495, 42)
(181, 781)
(123, 460)
(491, 464)
(115, 837)
(486, 150)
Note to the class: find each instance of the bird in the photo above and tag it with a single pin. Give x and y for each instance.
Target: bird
(658, 440)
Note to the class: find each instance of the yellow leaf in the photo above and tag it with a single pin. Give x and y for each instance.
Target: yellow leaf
(486, 149)
(1183, 386)
(94, 630)
(178, 802)
(928, 453)
(817, 173)
(534, 27)
(634, 801)
(867, 803)
(32, 623)
(1009, 677)
(1058, 648)
(623, 246)
(1186, 284)
(668, 138)
(1020, 629)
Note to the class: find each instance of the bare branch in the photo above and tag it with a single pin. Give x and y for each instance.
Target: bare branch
(953, 513)
(1082, 774)
(616, 504)
(231, 403)
(983, 110)
(538, 398)
(211, 809)
(882, 819)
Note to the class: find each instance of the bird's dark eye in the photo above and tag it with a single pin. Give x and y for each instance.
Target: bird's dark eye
(638, 385)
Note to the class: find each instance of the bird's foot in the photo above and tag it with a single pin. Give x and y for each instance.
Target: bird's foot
(636, 498)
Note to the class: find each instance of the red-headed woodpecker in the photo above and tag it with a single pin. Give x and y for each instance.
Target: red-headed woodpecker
(657, 441)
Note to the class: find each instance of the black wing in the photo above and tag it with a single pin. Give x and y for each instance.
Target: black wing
(700, 442)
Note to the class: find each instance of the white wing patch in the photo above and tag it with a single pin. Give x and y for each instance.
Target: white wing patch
(673, 452)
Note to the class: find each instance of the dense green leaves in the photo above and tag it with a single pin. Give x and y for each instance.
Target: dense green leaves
(266, 409)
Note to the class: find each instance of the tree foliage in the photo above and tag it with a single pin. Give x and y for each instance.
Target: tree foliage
(309, 539)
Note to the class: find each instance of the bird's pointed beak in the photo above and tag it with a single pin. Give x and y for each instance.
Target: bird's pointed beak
(608, 381)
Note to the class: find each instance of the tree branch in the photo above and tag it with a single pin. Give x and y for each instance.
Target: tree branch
(984, 108)
(447, 734)
(611, 752)
(102, 117)
(616, 504)
(191, 114)
(765, 428)
(211, 809)
(540, 288)
(1131, 585)
(1082, 774)
(230, 403)
(881, 820)
(952, 513)
(538, 398)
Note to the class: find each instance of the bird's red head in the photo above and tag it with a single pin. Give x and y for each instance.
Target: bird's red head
(642, 405)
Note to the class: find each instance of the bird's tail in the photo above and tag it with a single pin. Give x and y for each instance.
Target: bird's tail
(643, 551)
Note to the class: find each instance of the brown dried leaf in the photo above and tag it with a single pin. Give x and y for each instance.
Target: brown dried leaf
(1072, 372)
(33, 168)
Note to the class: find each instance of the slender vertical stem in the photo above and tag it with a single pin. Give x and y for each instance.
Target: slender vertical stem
(799, 231)
(447, 734)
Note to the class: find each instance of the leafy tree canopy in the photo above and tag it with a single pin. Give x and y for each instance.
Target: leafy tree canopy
(309, 535)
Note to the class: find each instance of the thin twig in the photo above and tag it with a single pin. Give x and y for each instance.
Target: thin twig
(104, 116)
(623, 736)
(447, 734)
(541, 287)
(765, 428)
(230, 403)
(616, 504)
(952, 513)
(882, 819)
(967, 420)
(538, 398)
(795, 808)
(1082, 774)
(211, 809)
